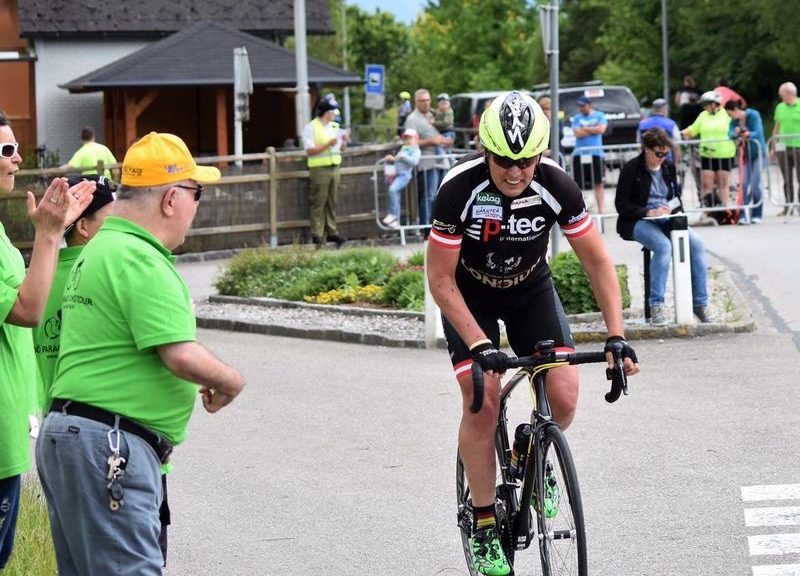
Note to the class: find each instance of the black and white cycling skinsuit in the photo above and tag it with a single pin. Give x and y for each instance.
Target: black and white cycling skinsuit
(502, 271)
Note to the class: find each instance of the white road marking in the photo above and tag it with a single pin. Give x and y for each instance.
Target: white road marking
(774, 544)
(777, 570)
(773, 492)
(776, 516)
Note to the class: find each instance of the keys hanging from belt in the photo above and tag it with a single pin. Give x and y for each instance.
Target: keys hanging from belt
(116, 469)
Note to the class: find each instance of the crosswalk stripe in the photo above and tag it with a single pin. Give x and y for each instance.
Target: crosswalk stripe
(774, 544)
(777, 570)
(775, 516)
(771, 492)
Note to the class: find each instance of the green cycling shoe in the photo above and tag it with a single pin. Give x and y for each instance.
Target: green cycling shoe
(552, 495)
(487, 553)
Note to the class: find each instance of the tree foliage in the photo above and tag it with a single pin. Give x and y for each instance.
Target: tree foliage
(463, 45)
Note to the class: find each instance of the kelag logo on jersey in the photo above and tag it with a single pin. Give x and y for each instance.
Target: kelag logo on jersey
(488, 206)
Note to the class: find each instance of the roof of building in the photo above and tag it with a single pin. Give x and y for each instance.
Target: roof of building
(43, 18)
(202, 55)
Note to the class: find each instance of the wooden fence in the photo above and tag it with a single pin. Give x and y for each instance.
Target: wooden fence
(263, 201)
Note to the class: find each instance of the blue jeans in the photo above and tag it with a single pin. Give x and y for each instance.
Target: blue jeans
(395, 189)
(427, 185)
(89, 538)
(654, 234)
(752, 187)
(9, 510)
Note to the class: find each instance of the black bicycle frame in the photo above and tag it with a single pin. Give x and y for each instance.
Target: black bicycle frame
(541, 417)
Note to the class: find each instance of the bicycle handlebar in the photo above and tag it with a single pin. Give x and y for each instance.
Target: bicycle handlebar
(619, 381)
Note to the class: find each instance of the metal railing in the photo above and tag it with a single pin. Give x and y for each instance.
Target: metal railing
(784, 149)
(696, 198)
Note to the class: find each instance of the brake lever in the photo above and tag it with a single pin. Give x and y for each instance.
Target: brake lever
(619, 381)
(477, 388)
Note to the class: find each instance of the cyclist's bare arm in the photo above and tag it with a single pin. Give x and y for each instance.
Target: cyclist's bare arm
(441, 270)
(605, 286)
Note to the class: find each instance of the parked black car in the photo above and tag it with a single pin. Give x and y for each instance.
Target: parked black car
(617, 102)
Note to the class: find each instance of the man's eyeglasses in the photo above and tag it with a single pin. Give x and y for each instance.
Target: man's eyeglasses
(8, 149)
(659, 154)
(505, 162)
(197, 191)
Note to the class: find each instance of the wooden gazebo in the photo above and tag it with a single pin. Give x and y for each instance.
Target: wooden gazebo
(183, 84)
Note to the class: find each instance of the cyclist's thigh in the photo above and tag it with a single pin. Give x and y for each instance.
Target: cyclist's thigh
(537, 315)
(458, 349)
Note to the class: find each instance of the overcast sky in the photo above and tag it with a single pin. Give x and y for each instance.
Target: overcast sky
(403, 10)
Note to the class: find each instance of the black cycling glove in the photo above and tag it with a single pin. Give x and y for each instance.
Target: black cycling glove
(618, 345)
(489, 357)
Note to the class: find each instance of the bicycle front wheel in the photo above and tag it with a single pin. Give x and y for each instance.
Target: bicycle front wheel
(562, 533)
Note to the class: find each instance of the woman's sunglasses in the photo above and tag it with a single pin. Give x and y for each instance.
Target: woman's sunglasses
(505, 162)
(659, 154)
(8, 149)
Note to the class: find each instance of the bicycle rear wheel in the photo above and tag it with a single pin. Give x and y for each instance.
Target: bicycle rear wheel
(465, 519)
(562, 533)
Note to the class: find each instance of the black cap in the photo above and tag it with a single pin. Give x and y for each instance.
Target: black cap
(103, 193)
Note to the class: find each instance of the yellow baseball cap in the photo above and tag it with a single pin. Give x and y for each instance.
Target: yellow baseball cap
(160, 158)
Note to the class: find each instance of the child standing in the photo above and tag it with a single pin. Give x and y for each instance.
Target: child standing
(444, 123)
(405, 161)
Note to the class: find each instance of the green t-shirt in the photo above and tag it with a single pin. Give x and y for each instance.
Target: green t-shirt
(789, 119)
(713, 127)
(88, 155)
(47, 335)
(123, 298)
(17, 368)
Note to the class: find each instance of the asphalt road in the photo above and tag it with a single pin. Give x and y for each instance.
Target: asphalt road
(338, 459)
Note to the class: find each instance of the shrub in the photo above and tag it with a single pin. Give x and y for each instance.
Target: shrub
(372, 294)
(572, 284)
(299, 272)
(417, 259)
(406, 290)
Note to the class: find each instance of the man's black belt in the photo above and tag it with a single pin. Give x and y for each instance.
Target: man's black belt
(161, 445)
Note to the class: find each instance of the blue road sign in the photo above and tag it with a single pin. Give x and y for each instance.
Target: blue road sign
(376, 76)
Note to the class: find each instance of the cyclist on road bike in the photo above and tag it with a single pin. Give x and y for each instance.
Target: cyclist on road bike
(487, 261)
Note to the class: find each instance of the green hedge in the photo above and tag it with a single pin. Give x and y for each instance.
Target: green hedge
(573, 286)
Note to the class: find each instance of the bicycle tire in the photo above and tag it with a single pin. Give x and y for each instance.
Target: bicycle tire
(465, 519)
(562, 536)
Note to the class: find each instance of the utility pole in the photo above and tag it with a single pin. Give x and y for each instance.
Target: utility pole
(344, 65)
(665, 47)
(548, 19)
(302, 109)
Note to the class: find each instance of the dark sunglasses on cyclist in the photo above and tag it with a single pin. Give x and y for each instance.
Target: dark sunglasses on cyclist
(505, 162)
(197, 191)
(659, 154)
(8, 149)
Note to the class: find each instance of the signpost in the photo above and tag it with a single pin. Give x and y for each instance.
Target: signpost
(374, 88)
(242, 88)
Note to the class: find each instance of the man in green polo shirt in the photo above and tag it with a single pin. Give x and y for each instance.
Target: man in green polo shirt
(47, 335)
(786, 141)
(128, 371)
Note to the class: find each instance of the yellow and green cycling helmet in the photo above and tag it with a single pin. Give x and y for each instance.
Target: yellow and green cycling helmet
(514, 126)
